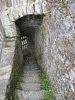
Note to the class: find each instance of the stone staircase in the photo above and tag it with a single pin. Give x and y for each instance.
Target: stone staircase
(31, 87)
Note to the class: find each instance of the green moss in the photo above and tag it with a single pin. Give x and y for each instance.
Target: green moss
(43, 37)
(6, 45)
(20, 79)
(9, 40)
(15, 83)
(15, 98)
(45, 85)
(42, 32)
(17, 41)
(11, 37)
(6, 9)
(42, 27)
(18, 35)
(34, 0)
(48, 95)
(18, 87)
(49, 15)
(45, 45)
(48, 32)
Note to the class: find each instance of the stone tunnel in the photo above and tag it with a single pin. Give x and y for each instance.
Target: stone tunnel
(29, 25)
(44, 29)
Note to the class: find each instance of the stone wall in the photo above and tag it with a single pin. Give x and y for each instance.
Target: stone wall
(1, 38)
(6, 64)
(15, 72)
(10, 67)
(55, 50)
(2, 32)
(54, 45)
(15, 9)
(10, 11)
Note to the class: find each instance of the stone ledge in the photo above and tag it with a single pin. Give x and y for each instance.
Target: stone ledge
(6, 65)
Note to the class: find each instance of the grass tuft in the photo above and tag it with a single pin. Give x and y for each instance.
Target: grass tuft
(45, 85)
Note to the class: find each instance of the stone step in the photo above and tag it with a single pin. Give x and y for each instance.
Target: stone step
(34, 67)
(28, 80)
(31, 71)
(30, 95)
(19, 94)
(31, 75)
(30, 64)
(31, 87)
(36, 95)
(31, 59)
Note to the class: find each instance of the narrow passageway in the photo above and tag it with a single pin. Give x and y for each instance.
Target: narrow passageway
(31, 87)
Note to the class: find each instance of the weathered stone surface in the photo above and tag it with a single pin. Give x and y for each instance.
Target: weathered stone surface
(6, 65)
(30, 95)
(54, 46)
(72, 7)
(31, 87)
(30, 7)
(45, 7)
(38, 7)
(11, 57)
(7, 54)
(5, 72)
(17, 9)
(55, 51)
(3, 84)
(2, 35)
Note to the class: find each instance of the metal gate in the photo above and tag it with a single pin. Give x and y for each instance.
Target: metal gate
(24, 42)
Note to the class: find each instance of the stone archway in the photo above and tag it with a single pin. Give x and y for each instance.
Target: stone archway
(14, 10)
(11, 11)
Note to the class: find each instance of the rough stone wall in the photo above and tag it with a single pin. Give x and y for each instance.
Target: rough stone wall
(2, 33)
(15, 9)
(10, 11)
(6, 65)
(1, 38)
(55, 50)
(55, 45)
(15, 71)
(10, 66)
(2, 4)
